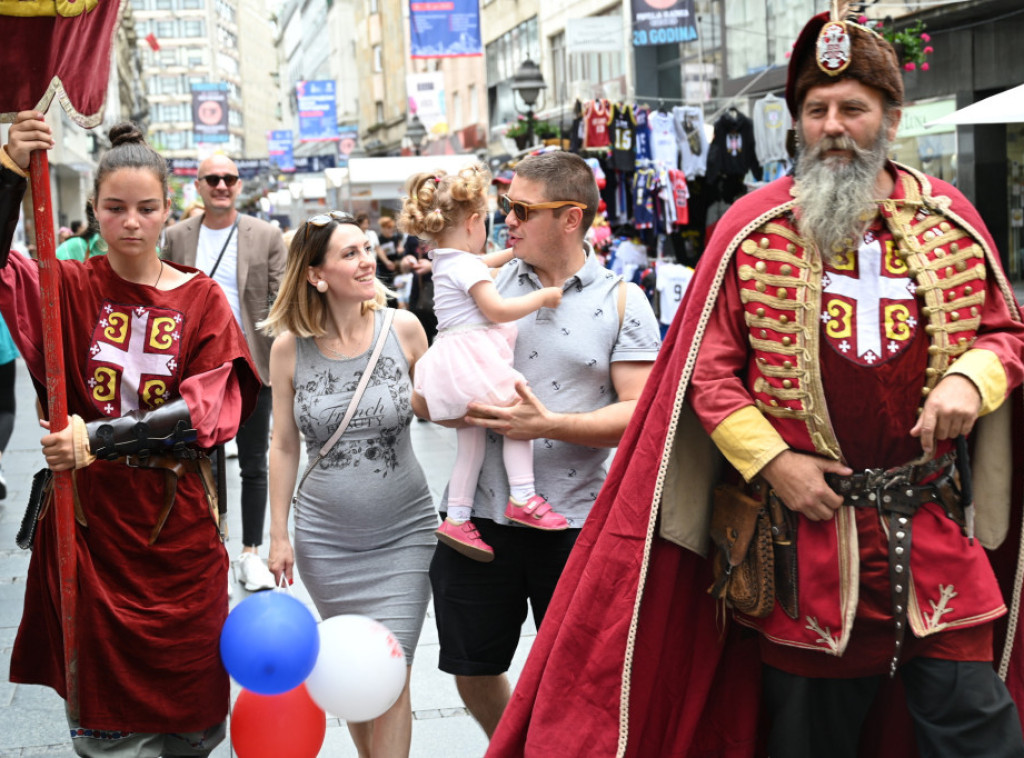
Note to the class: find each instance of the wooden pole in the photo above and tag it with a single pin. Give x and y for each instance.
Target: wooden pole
(53, 342)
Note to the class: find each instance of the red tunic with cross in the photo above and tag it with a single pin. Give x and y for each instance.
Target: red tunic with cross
(149, 616)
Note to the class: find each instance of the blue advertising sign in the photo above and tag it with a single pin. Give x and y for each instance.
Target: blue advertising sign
(279, 148)
(444, 28)
(663, 22)
(318, 111)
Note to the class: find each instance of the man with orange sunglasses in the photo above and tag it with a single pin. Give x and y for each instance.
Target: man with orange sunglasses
(586, 363)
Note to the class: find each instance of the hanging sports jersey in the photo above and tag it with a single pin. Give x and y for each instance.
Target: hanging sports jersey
(680, 197)
(771, 123)
(643, 133)
(576, 130)
(673, 279)
(623, 138)
(644, 188)
(664, 146)
(693, 142)
(596, 119)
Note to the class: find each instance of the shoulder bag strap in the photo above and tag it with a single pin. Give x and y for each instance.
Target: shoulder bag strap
(389, 316)
(223, 248)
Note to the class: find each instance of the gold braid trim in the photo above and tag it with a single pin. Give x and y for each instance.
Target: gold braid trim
(782, 304)
(781, 372)
(771, 346)
(761, 385)
(767, 322)
(772, 410)
(785, 232)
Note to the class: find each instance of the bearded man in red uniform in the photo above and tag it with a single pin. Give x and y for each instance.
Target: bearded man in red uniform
(845, 327)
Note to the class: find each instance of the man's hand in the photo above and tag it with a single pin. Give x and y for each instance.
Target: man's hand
(28, 132)
(799, 480)
(527, 419)
(950, 410)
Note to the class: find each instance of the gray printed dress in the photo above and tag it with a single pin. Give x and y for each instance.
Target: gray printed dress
(365, 518)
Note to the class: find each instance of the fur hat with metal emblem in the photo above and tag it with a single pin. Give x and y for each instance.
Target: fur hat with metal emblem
(831, 48)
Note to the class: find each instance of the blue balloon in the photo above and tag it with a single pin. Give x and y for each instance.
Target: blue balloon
(269, 643)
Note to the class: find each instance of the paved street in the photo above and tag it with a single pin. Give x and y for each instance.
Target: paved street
(32, 718)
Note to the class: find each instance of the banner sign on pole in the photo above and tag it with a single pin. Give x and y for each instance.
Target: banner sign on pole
(426, 100)
(594, 34)
(318, 111)
(347, 142)
(57, 49)
(279, 147)
(444, 28)
(663, 22)
(210, 111)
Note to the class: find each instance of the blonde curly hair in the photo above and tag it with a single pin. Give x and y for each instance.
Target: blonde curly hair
(436, 201)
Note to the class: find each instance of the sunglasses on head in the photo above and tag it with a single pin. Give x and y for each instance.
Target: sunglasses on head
(522, 210)
(214, 179)
(323, 219)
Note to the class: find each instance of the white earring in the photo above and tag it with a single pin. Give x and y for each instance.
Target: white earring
(321, 285)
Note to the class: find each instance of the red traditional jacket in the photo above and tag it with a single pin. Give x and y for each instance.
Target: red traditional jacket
(634, 658)
(798, 354)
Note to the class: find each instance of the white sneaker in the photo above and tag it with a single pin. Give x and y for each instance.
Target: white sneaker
(253, 573)
(230, 449)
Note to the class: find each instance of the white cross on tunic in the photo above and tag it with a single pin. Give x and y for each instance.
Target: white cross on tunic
(134, 361)
(868, 291)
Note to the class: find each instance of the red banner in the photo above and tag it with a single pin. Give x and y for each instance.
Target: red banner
(56, 48)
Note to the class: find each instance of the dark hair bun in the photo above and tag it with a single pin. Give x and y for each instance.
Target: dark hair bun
(126, 133)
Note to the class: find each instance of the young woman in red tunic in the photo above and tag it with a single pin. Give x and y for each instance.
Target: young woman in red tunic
(157, 374)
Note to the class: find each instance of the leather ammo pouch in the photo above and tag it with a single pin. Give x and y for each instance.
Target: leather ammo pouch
(743, 559)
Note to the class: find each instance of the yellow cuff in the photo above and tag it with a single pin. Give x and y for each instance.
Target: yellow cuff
(80, 435)
(986, 371)
(8, 162)
(748, 441)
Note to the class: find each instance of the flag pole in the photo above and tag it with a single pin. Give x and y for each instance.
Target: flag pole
(49, 286)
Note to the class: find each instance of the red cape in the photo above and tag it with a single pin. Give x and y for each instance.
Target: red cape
(692, 686)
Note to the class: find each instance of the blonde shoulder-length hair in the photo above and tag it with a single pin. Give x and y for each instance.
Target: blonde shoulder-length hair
(299, 308)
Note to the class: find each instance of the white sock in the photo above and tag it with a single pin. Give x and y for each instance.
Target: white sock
(459, 513)
(521, 493)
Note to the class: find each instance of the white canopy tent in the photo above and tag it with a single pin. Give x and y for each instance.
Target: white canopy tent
(384, 178)
(1005, 108)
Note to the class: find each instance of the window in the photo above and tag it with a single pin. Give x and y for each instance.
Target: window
(374, 6)
(761, 32)
(474, 105)
(166, 30)
(379, 108)
(193, 28)
(164, 5)
(378, 58)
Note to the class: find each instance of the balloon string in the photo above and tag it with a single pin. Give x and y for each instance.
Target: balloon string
(282, 584)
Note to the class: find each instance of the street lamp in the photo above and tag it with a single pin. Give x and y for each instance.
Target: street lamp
(528, 82)
(415, 132)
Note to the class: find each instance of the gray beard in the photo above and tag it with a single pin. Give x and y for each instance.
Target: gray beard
(836, 196)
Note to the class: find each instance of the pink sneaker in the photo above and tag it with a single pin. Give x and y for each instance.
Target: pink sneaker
(465, 539)
(535, 512)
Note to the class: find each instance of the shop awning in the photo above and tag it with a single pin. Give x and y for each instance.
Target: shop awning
(1005, 108)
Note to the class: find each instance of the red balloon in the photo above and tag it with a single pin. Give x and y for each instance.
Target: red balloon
(272, 726)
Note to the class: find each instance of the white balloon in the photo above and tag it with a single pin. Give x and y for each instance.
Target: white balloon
(360, 670)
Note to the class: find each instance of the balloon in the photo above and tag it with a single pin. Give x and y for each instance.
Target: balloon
(360, 671)
(272, 726)
(269, 643)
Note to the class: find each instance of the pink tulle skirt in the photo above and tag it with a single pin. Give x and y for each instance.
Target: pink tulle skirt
(468, 365)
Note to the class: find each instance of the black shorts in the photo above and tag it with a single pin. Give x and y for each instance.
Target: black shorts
(480, 607)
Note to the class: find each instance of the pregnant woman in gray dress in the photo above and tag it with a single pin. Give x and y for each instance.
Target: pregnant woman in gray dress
(364, 520)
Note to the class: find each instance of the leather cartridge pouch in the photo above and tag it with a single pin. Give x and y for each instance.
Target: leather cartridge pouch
(743, 560)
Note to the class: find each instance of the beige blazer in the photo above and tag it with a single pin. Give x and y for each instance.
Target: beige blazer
(261, 260)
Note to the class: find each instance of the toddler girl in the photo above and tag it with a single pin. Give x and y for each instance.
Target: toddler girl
(471, 358)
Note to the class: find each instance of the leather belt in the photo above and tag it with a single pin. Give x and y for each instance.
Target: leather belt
(897, 494)
(174, 467)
